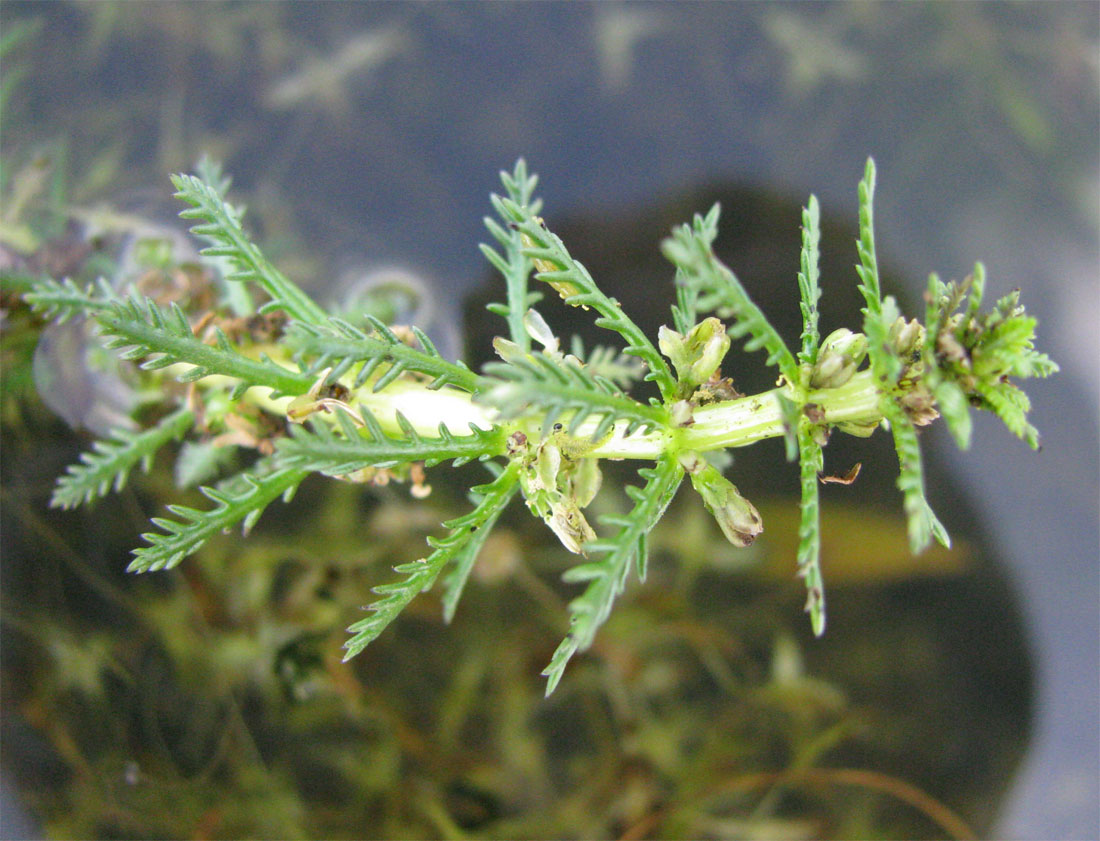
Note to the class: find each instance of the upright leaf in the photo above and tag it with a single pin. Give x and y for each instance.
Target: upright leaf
(808, 276)
(868, 259)
(228, 240)
(515, 266)
(556, 267)
(690, 249)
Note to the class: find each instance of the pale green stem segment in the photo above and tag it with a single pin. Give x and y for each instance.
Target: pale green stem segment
(730, 423)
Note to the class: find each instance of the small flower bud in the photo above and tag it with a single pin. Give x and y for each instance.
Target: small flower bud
(919, 405)
(584, 481)
(859, 430)
(695, 356)
(540, 331)
(907, 336)
(840, 355)
(507, 350)
(846, 343)
(568, 523)
(737, 517)
(831, 371)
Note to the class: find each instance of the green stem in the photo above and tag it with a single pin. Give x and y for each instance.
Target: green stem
(746, 420)
(730, 423)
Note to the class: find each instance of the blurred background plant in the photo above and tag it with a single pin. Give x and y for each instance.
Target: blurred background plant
(366, 138)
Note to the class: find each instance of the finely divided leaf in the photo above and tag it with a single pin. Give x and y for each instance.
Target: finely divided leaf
(883, 356)
(240, 498)
(564, 389)
(421, 574)
(971, 357)
(140, 328)
(514, 265)
(690, 249)
(868, 260)
(107, 466)
(454, 582)
(228, 240)
(340, 346)
(811, 462)
(321, 449)
(955, 409)
(575, 285)
(61, 300)
(606, 576)
(923, 523)
(808, 277)
(685, 313)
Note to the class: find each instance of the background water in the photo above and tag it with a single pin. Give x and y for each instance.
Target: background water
(386, 125)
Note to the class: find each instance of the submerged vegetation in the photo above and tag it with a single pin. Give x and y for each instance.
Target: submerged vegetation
(232, 355)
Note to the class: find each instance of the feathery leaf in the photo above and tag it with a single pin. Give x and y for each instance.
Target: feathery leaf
(61, 300)
(690, 249)
(606, 577)
(242, 497)
(556, 266)
(865, 246)
(811, 461)
(320, 449)
(228, 240)
(514, 265)
(454, 581)
(564, 387)
(107, 466)
(923, 523)
(137, 327)
(808, 276)
(421, 574)
(339, 345)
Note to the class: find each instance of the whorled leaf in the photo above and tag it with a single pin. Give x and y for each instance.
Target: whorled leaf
(923, 524)
(107, 466)
(513, 265)
(339, 346)
(972, 357)
(139, 328)
(811, 463)
(421, 574)
(556, 267)
(564, 389)
(716, 288)
(61, 300)
(241, 498)
(361, 442)
(221, 226)
(867, 269)
(606, 575)
(808, 281)
(454, 580)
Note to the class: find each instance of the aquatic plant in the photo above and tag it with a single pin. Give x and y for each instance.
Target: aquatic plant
(370, 402)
